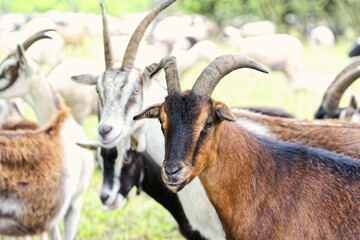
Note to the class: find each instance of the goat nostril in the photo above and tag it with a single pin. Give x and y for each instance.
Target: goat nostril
(171, 169)
(103, 198)
(104, 129)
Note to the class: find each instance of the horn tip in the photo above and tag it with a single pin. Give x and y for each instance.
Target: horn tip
(156, 70)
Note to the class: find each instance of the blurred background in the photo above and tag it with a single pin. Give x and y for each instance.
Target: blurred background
(303, 43)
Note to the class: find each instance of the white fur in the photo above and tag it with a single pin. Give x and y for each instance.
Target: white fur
(254, 127)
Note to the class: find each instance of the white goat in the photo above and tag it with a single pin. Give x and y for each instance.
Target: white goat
(124, 91)
(22, 77)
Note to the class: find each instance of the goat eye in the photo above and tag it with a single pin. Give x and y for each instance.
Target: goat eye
(137, 91)
(208, 124)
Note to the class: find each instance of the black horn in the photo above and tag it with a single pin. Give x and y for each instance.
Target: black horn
(171, 73)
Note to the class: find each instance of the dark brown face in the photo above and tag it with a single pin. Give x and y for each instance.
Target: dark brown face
(189, 122)
(191, 125)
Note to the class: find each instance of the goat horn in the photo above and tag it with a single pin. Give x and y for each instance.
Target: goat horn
(106, 38)
(353, 64)
(132, 48)
(220, 67)
(35, 37)
(171, 73)
(337, 88)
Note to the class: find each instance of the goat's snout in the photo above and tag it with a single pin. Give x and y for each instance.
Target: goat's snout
(104, 129)
(172, 169)
(104, 198)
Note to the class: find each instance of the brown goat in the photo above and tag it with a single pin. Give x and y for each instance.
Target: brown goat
(261, 189)
(333, 135)
(31, 197)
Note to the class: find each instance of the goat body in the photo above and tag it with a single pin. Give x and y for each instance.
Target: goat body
(32, 169)
(282, 191)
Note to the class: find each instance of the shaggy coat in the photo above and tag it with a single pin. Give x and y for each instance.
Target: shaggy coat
(28, 204)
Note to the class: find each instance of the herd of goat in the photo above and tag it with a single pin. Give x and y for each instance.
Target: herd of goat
(222, 173)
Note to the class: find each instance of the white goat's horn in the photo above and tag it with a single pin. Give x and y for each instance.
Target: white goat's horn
(132, 48)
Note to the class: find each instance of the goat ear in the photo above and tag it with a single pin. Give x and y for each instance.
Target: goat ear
(351, 110)
(20, 54)
(91, 145)
(223, 112)
(148, 70)
(150, 112)
(87, 79)
(353, 102)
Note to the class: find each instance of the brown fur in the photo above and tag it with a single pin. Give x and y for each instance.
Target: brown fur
(263, 203)
(333, 135)
(22, 124)
(31, 170)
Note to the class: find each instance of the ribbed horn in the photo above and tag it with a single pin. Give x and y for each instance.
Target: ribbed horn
(335, 91)
(132, 48)
(220, 67)
(171, 73)
(106, 38)
(35, 37)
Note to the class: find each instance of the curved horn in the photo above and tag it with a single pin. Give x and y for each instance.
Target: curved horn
(106, 38)
(335, 91)
(132, 48)
(220, 67)
(171, 73)
(35, 37)
(353, 64)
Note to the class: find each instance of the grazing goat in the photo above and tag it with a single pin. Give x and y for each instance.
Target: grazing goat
(138, 169)
(329, 107)
(123, 92)
(261, 189)
(22, 77)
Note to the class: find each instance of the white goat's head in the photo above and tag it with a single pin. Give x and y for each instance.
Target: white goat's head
(16, 69)
(121, 90)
